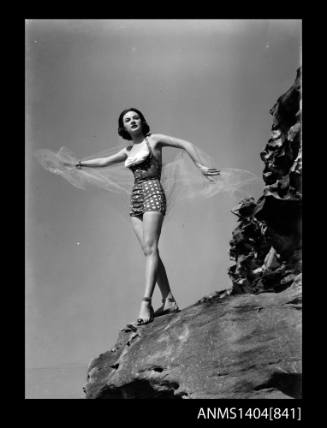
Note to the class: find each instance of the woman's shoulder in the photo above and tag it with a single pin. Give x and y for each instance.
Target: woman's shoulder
(157, 138)
(153, 140)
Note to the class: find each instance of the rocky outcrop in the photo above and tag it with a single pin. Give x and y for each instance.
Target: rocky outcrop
(266, 244)
(245, 346)
(244, 342)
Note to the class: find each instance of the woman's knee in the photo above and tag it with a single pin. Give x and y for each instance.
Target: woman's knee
(150, 248)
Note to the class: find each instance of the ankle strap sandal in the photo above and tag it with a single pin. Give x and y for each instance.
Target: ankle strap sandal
(170, 299)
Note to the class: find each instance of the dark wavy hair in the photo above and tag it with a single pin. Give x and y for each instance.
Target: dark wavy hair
(121, 129)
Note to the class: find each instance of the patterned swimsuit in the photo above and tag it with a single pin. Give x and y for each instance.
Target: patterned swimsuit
(147, 193)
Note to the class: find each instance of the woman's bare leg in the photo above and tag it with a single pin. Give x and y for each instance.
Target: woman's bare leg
(162, 279)
(148, 232)
(152, 222)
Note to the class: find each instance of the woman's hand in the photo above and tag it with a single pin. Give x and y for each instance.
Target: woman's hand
(68, 164)
(208, 172)
(77, 165)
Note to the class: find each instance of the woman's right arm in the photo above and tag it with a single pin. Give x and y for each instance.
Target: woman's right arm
(103, 162)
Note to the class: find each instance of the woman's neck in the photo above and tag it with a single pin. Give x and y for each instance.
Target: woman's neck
(137, 139)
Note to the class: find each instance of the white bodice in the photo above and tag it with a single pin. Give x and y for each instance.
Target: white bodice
(138, 158)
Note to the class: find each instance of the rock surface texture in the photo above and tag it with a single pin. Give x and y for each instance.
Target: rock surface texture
(267, 244)
(244, 342)
(244, 346)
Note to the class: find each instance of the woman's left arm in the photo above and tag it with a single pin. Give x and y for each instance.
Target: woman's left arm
(165, 140)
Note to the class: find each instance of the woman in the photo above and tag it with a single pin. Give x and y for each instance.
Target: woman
(148, 202)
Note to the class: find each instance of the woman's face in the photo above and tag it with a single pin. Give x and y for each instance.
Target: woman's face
(132, 122)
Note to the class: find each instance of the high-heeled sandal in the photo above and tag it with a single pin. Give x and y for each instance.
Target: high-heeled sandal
(141, 321)
(171, 310)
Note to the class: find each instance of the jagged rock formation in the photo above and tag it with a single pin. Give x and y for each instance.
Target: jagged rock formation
(244, 342)
(243, 346)
(266, 244)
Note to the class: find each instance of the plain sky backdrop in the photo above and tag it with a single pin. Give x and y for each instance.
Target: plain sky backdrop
(211, 82)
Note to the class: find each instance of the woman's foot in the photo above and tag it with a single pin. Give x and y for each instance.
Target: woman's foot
(169, 306)
(146, 312)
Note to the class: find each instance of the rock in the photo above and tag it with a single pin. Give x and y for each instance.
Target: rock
(285, 112)
(229, 346)
(275, 219)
